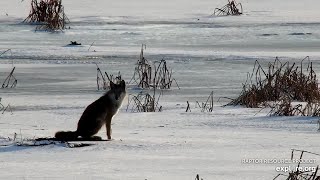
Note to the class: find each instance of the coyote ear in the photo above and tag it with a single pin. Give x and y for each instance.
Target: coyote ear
(111, 85)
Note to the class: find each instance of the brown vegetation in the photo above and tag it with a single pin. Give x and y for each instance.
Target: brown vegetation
(285, 107)
(299, 172)
(279, 85)
(232, 8)
(144, 78)
(142, 72)
(101, 79)
(48, 14)
(279, 80)
(208, 105)
(144, 102)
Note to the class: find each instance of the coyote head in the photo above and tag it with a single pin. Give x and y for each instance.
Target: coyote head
(119, 90)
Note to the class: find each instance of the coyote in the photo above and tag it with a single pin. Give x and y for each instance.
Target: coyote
(97, 114)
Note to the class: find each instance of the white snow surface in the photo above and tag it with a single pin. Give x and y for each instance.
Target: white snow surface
(206, 53)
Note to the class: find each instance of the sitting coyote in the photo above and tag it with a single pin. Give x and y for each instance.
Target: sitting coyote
(97, 114)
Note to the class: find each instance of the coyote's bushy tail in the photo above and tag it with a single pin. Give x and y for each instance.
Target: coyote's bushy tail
(66, 135)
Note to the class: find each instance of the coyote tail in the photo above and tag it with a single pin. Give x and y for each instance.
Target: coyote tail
(66, 135)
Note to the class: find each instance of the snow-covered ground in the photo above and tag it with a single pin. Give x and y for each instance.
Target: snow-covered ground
(56, 83)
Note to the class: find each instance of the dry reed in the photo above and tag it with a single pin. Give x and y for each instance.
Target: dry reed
(278, 81)
(144, 102)
(10, 81)
(232, 8)
(101, 79)
(48, 14)
(300, 173)
(147, 76)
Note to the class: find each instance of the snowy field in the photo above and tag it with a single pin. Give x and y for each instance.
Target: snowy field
(56, 83)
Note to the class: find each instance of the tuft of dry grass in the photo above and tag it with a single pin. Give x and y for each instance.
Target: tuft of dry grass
(232, 8)
(144, 102)
(285, 107)
(156, 75)
(143, 71)
(101, 79)
(299, 173)
(282, 82)
(208, 105)
(48, 14)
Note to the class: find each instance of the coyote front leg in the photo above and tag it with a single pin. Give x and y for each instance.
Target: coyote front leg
(108, 126)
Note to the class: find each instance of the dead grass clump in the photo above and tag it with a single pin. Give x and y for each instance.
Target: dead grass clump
(142, 72)
(279, 81)
(146, 77)
(208, 105)
(144, 102)
(162, 76)
(299, 172)
(286, 108)
(101, 79)
(232, 8)
(48, 14)
(152, 77)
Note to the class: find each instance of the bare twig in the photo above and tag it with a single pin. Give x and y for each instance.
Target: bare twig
(10, 79)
